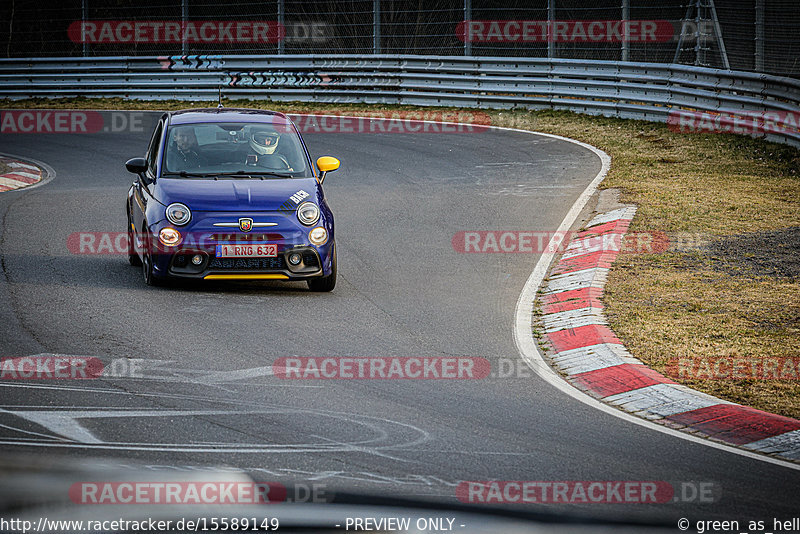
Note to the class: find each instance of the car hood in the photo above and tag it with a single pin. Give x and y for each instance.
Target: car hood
(270, 194)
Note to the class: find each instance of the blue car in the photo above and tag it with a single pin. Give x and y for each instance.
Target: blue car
(230, 194)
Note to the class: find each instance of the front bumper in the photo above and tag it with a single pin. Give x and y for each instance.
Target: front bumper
(278, 268)
(200, 240)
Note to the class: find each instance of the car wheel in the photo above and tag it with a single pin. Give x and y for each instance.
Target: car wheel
(147, 264)
(325, 283)
(133, 257)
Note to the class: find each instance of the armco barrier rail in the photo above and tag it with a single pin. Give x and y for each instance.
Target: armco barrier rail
(647, 91)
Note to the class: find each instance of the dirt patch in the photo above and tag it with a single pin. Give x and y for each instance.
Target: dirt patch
(773, 254)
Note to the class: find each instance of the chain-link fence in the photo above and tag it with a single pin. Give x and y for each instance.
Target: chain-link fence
(750, 35)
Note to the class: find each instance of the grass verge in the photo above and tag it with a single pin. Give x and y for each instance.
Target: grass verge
(730, 292)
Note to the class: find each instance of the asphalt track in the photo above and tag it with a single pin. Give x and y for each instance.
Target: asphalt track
(207, 396)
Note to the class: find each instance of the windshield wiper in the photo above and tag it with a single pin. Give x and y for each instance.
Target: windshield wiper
(260, 174)
(184, 174)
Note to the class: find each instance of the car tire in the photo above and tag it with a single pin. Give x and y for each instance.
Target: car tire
(133, 257)
(325, 283)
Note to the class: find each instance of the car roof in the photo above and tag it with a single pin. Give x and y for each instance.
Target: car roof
(195, 116)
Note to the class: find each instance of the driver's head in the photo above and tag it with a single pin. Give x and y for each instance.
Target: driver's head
(264, 141)
(185, 138)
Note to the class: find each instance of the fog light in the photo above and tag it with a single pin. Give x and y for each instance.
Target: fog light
(318, 235)
(169, 236)
(295, 258)
(197, 259)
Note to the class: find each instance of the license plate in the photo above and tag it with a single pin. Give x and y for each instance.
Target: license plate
(265, 250)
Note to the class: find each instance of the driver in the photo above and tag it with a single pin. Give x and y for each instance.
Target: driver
(184, 154)
(264, 143)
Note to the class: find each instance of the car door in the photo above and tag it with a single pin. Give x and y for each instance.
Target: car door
(142, 195)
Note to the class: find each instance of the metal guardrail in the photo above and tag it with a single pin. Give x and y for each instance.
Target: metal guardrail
(646, 91)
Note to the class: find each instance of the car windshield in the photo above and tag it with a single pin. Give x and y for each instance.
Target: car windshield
(240, 150)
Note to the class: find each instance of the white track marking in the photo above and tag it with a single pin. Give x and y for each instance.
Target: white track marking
(566, 320)
(662, 400)
(62, 425)
(26, 174)
(783, 443)
(10, 182)
(65, 423)
(592, 358)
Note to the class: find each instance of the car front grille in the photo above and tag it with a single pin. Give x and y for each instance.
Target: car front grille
(246, 238)
(246, 264)
(310, 259)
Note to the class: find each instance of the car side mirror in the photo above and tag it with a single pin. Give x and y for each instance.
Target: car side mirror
(326, 164)
(136, 165)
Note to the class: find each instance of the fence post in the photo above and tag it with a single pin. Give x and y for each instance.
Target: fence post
(626, 15)
(759, 60)
(720, 41)
(84, 18)
(281, 8)
(698, 45)
(551, 16)
(184, 19)
(467, 17)
(376, 26)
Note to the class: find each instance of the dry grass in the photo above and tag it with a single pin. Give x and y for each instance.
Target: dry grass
(4, 168)
(674, 304)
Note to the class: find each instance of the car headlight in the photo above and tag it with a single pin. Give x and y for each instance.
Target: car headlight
(318, 235)
(169, 236)
(308, 213)
(178, 214)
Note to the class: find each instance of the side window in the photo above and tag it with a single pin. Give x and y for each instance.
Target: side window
(152, 149)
